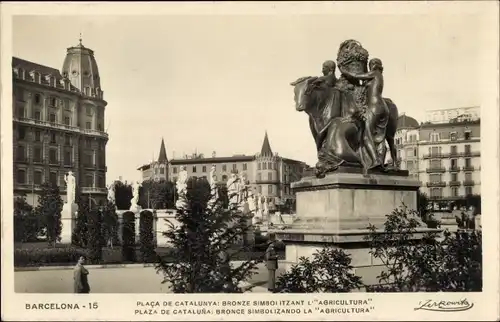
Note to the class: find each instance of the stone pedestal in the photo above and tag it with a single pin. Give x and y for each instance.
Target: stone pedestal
(338, 209)
(68, 221)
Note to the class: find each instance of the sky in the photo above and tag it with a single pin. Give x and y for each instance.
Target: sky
(217, 82)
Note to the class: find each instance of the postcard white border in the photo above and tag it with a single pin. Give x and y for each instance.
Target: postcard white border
(386, 306)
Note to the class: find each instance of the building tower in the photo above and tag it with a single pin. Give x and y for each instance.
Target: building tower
(156, 169)
(267, 177)
(59, 125)
(406, 139)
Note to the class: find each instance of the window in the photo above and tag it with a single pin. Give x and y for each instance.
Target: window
(53, 178)
(37, 136)
(468, 191)
(453, 136)
(259, 167)
(174, 170)
(454, 192)
(269, 176)
(244, 167)
(467, 163)
(454, 163)
(21, 133)
(454, 177)
(264, 166)
(435, 178)
(259, 176)
(453, 149)
(88, 160)
(468, 176)
(52, 118)
(162, 170)
(224, 168)
(467, 135)
(99, 127)
(89, 110)
(21, 176)
(269, 165)
(434, 137)
(224, 178)
(38, 99)
(259, 189)
(435, 164)
(204, 168)
(88, 143)
(435, 150)
(53, 156)
(53, 138)
(38, 115)
(409, 165)
(53, 101)
(194, 169)
(436, 192)
(467, 148)
(37, 177)
(88, 125)
(234, 166)
(67, 157)
(67, 120)
(270, 189)
(20, 153)
(89, 180)
(37, 154)
(20, 111)
(100, 182)
(67, 139)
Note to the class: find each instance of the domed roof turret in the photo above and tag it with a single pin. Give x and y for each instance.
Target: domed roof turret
(80, 67)
(405, 121)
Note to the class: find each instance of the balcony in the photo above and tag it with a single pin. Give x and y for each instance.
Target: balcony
(94, 190)
(21, 159)
(455, 154)
(64, 127)
(455, 183)
(436, 155)
(436, 184)
(469, 183)
(267, 181)
(468, 168)
(435, 170)
(454, 169)
(471, 154)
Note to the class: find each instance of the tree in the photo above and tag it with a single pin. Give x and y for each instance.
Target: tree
(146, 236)
(128, 237)
(427, 264)
(49, 209)
(157, 194)
(27, 226)
(94, 237)
(123, 195)
(79, 235)
(329, 271)
(109, 224)
(202, 245)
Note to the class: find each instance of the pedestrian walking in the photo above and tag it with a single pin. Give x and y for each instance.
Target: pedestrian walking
(80, 277)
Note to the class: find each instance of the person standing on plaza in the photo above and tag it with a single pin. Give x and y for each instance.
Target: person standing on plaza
(80, 277)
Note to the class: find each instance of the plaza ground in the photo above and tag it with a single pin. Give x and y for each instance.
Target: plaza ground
(107, 280)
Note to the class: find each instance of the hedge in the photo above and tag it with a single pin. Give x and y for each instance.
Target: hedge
(128, 237)
(147, 246)
(48, 256)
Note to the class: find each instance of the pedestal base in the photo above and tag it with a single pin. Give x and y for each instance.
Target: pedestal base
(337, 210)
(68, 216)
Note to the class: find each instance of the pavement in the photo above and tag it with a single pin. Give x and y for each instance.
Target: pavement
(130, 279)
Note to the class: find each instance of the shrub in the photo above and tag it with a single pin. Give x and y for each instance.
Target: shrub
(94, 239)
(109, 224)
(201, 246)
(328, 271)
(47, 256)
(128, 237)
(49, 209)
(123, 195)
(427, 264)
(27, 225)
(146, 236)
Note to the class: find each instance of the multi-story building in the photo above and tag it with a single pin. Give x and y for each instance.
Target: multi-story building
(444, 154)
(156, 169)
(269, 174)
(406, 139)
(58, 125)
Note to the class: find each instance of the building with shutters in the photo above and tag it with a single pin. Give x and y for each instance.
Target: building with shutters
(58, 125)
(269, 174)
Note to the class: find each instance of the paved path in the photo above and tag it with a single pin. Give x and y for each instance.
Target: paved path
(105, 280)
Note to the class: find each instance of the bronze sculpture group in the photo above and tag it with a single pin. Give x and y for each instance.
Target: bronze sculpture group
(349, 119)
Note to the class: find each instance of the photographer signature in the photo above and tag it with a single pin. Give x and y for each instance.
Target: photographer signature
(445, 306)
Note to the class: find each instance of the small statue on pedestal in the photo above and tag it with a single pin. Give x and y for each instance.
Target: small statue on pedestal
(181, 186)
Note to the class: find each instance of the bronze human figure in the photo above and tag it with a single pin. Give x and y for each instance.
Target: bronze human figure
(328, 79)
(350, 121)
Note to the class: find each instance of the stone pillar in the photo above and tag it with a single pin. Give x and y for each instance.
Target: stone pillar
(68, 216)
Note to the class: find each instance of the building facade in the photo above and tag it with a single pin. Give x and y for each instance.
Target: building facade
(444, 154)
(58, 125)
(269, 174)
